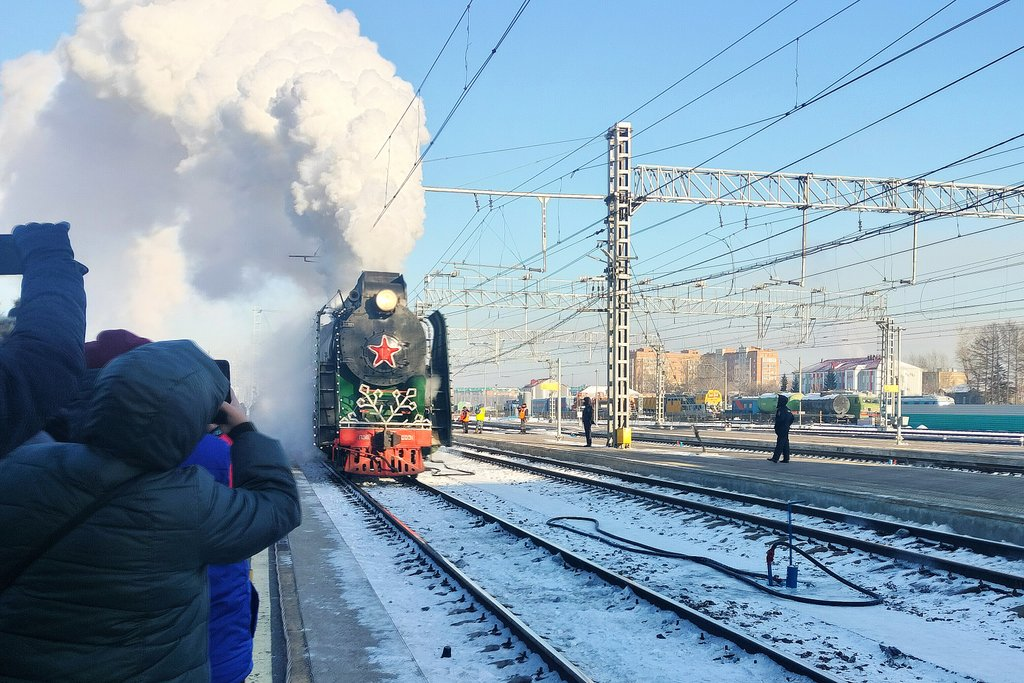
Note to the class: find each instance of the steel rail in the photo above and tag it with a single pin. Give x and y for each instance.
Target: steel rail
(982, 546)
(1014, 581)
(870, 434)
(699, 619)
(832, 452)
(552, 657)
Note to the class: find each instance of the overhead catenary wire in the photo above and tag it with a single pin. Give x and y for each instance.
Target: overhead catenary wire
(898, 224)
(600, 136)
(747, 246)
(882, 229)
(778, 117)
(451, 113)
(423, 82)
(835, 89)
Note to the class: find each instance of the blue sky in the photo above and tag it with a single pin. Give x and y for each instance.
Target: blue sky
(568, 70)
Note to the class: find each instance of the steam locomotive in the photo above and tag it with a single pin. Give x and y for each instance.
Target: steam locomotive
(383, 399)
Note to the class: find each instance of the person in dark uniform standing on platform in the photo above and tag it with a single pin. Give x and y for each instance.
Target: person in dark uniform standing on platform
(783, 421)
(587, 417)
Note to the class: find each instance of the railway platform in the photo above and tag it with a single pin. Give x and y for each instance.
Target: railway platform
(330, 625)
(988, 506)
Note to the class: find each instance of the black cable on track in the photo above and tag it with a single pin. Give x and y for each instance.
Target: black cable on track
(743, 575)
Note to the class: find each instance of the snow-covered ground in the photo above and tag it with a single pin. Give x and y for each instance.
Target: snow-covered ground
(617, 637)
(906, 541)
(931, 628)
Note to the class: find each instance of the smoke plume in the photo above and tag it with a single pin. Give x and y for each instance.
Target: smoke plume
(194, 145)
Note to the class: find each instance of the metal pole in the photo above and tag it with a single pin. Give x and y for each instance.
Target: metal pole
(800, 384)
(789, 524)
(791, 570)
(544, 232)
(726, 359)
(659, 408)
(558, 403)
(899, 388)
(619, 215)
(806, 181)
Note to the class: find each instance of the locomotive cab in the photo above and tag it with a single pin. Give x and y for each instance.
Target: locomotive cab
(378, 388)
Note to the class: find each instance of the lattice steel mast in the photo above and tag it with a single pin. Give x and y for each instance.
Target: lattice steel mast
(619, 213)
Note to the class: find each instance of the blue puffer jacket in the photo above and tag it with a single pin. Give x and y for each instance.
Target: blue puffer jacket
(42, 358)
(123, 597)
(231, 593)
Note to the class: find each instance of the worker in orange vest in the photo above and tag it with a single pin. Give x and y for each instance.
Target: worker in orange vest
(522, 418)
(464, 419)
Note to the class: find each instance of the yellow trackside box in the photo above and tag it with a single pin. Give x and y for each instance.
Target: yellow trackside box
(624, 436)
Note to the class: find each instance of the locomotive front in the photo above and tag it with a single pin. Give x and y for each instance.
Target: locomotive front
(375, 407)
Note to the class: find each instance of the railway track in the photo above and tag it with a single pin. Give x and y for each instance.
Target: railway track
(584, 612)
(916, 600)
(756, 510)
(453, 610)
(704, 438)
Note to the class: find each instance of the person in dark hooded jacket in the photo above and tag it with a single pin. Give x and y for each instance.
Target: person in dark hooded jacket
(783, 421)
(122, 596)
(588, 418)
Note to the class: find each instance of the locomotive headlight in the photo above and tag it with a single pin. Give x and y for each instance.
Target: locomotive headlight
(386, 300)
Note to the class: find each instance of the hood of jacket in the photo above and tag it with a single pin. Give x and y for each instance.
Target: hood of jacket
(152, 405)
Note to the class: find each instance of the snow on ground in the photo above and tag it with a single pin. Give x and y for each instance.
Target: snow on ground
(960, 633)
(421, 612)
(605, 630)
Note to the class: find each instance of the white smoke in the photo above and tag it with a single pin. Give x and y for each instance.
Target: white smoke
(195, 144)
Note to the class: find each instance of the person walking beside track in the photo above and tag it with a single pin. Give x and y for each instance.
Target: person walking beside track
(588, 418)
(783, 421)
(464, 419)
(522, 418)
(481, 415)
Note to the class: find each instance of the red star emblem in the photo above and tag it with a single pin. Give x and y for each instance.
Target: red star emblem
(385, 352)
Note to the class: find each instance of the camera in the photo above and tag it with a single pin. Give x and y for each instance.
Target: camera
(10, 259)
(225, 367)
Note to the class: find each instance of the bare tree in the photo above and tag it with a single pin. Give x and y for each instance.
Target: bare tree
(710, 374)
(1011, 338)
(993, 361)
(929, 360)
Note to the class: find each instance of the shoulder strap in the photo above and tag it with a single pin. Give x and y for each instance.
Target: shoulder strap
(15, 571)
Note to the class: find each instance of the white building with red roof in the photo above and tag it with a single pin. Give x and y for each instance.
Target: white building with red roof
(857, 374)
